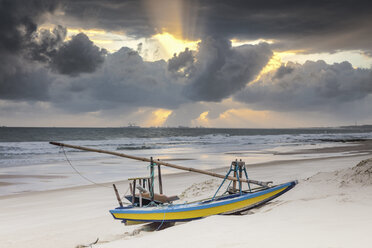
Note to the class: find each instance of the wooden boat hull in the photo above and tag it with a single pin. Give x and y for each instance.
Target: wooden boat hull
(186, 212)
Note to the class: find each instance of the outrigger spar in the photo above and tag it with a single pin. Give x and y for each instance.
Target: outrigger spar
(146, 206)
(264, 184)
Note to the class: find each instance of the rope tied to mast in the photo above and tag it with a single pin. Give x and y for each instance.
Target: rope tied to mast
(81, 175)
(210, 173)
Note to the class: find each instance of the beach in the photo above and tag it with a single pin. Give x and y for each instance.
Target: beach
(325, 209)
(185, 124)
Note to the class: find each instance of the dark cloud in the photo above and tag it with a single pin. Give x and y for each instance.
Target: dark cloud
(314, 26)
(44, 44)
(182, 63)
(129, 16)
(136, 18)
(28, 48)
(282, 71)
(41, 71)
(19, 20)
(77, 55)
(23, 81)
(221, 70)
(20, 78)
(312, 86)
(31, 80)
(213, 72)
(37, 65)
(123, 80)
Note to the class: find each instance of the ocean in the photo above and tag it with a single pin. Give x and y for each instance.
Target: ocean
(29, 163)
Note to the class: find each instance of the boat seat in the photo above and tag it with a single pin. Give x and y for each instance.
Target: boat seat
(160, 197)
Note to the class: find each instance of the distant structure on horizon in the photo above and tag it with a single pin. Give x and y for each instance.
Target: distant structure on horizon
(366, 126)
(132, 125)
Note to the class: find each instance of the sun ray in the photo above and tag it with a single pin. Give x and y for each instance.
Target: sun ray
(173, 45)
(158, 117)
(202, 120)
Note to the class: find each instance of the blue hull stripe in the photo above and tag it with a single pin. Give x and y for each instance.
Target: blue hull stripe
(197, 205)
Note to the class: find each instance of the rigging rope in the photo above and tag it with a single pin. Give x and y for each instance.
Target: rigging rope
(162, 222)
(125, 193)
(84, 177)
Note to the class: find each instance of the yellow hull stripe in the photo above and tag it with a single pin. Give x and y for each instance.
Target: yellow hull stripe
(198, 213)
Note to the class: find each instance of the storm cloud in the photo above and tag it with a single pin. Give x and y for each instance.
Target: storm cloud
(76, 76)
(221, 70)
(44, 44)
(77, 56)
(20, 37)
(19, 20)
(182, 63)
(311, 86)
(125, 78)
(21, 81)
(21, 77)
(129, 16)
(312, 26)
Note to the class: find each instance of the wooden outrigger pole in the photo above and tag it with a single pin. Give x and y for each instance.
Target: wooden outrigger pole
(159, 162)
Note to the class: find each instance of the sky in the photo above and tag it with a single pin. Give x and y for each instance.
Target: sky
(169, 63)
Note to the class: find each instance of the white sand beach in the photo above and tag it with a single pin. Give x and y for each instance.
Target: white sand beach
(330, 207)
(96, 96)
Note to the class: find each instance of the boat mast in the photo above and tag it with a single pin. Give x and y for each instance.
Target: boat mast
(159, 162)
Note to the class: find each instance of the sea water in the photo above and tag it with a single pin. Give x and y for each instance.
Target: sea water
(29, 163)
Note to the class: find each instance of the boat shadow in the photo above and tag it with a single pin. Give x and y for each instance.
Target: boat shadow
(150, 227)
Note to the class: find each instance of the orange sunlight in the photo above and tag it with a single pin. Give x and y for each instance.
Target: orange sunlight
(158, 118)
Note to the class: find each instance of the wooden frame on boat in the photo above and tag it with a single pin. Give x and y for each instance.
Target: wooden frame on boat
(147, 206)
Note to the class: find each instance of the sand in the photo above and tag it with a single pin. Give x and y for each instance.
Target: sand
(330, 207)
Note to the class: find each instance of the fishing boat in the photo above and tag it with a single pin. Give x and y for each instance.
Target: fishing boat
(230, 204)
(148, 206)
